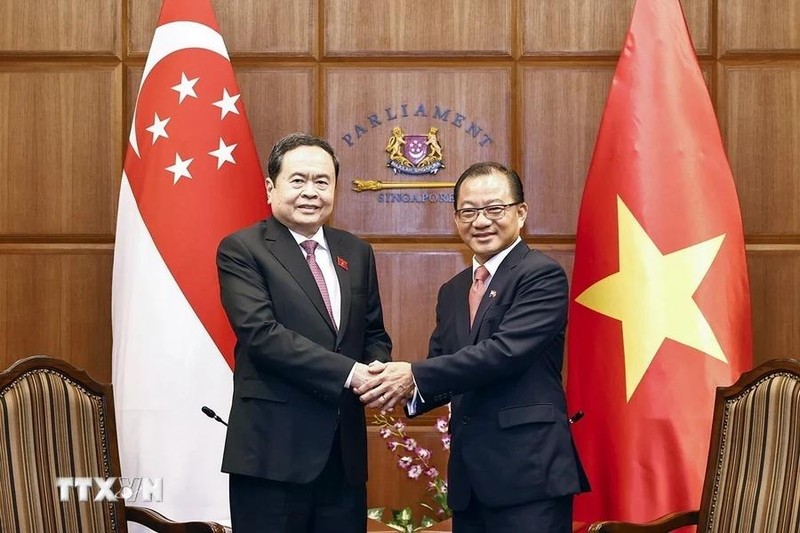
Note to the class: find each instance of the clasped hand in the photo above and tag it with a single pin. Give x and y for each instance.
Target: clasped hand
(383, 385)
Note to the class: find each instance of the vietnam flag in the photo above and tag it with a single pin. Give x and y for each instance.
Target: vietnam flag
(659, 308)
(191, 177)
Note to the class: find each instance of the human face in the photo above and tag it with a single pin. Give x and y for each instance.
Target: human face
(302, 194)
(483, 236)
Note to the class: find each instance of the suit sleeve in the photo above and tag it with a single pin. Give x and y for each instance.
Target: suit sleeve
(377, 344)
(434, 350)
(272, 347)
(536, 316)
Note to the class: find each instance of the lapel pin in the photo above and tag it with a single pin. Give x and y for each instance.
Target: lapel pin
(341, 262)
(492, 293)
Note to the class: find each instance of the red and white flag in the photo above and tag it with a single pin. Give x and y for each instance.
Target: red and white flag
(660, 302)
(191, 177)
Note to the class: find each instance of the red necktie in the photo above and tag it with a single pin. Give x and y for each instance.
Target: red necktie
(476, 292)
(310, 246)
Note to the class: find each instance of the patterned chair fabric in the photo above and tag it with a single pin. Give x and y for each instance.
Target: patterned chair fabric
(57, 422)
(757, 479)
(752, 479)
(52, 427)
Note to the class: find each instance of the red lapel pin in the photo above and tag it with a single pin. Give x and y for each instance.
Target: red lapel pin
(341, 262)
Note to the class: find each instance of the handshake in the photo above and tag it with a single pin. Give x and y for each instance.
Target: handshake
(383, 385)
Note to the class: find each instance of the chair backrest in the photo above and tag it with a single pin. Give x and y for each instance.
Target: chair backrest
(753, 474)
(55, 422)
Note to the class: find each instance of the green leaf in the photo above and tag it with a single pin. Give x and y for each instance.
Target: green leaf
(376, 513)
(426, 522)
(402, 516)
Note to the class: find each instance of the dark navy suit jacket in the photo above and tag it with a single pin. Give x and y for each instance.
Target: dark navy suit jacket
(511, 440)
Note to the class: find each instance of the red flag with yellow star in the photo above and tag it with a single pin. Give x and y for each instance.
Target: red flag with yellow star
(660, 306)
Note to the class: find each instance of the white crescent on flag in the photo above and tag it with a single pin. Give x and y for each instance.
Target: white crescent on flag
(191, 177)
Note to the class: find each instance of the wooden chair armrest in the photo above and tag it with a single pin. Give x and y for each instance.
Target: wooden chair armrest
(158, 522)
(661, 525)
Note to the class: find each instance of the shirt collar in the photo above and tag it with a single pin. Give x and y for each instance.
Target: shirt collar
(319, 237)
(494, 262)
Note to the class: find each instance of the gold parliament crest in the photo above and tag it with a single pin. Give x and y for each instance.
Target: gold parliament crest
(414, 154)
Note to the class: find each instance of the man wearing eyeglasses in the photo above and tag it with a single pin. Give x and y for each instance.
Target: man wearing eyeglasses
(496, 353)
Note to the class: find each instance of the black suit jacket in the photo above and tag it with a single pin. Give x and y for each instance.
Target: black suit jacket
(511, 441)
(291, 364)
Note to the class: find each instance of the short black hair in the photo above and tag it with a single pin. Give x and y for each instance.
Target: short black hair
(484, 169)
(289, 143)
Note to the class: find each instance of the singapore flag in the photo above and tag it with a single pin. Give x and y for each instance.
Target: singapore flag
(191, 177)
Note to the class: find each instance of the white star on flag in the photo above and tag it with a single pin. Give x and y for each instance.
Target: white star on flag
(227, 104)
(185, 87)
(223, 154)
(180, 169)
(158, 128)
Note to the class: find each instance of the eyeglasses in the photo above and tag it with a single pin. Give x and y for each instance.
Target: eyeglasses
(492, 212)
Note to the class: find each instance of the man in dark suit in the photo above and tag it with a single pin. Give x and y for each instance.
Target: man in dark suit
(303, 301)
(497, 353)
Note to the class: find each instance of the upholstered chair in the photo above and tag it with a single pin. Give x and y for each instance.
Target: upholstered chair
(57, 422)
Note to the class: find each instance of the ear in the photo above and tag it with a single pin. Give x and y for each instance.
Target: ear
(522, 213)
(269, 185)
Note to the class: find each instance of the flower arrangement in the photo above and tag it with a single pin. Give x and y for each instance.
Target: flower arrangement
(415, 461)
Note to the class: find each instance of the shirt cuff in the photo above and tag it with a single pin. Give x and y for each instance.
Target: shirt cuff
(413, 404)
(350, 376)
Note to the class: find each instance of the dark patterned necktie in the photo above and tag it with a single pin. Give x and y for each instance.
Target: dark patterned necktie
(310, 246)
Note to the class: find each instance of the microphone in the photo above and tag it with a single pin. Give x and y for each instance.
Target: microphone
(211, 414)
(574, 418)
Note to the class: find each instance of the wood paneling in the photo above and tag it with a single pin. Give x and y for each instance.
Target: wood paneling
(277, 101)
(262, 27)
(56, 300)
(418, 27)
(598, 28)
(753, 26)
(60, 149)
(471, 107)
(561, 107)
(760, 110)
(775, 299)
(409, 278)
(82, 27)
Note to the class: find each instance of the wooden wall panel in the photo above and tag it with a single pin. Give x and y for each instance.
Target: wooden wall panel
(277, 101)
(84, 27)
(753, 26)
(418, 27)
(759, 107)
(775, 298)
(474, 123)
(57, 301)
(60, 149)
(262, 27)
(409, 278)
(561, 110)
(598, 28)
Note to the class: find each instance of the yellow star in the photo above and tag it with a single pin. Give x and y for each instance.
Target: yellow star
(652, 296)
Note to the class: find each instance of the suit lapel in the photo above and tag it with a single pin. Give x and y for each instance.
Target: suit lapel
(338, 251)
(461, 307)
(497, 285)
(285, 249)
